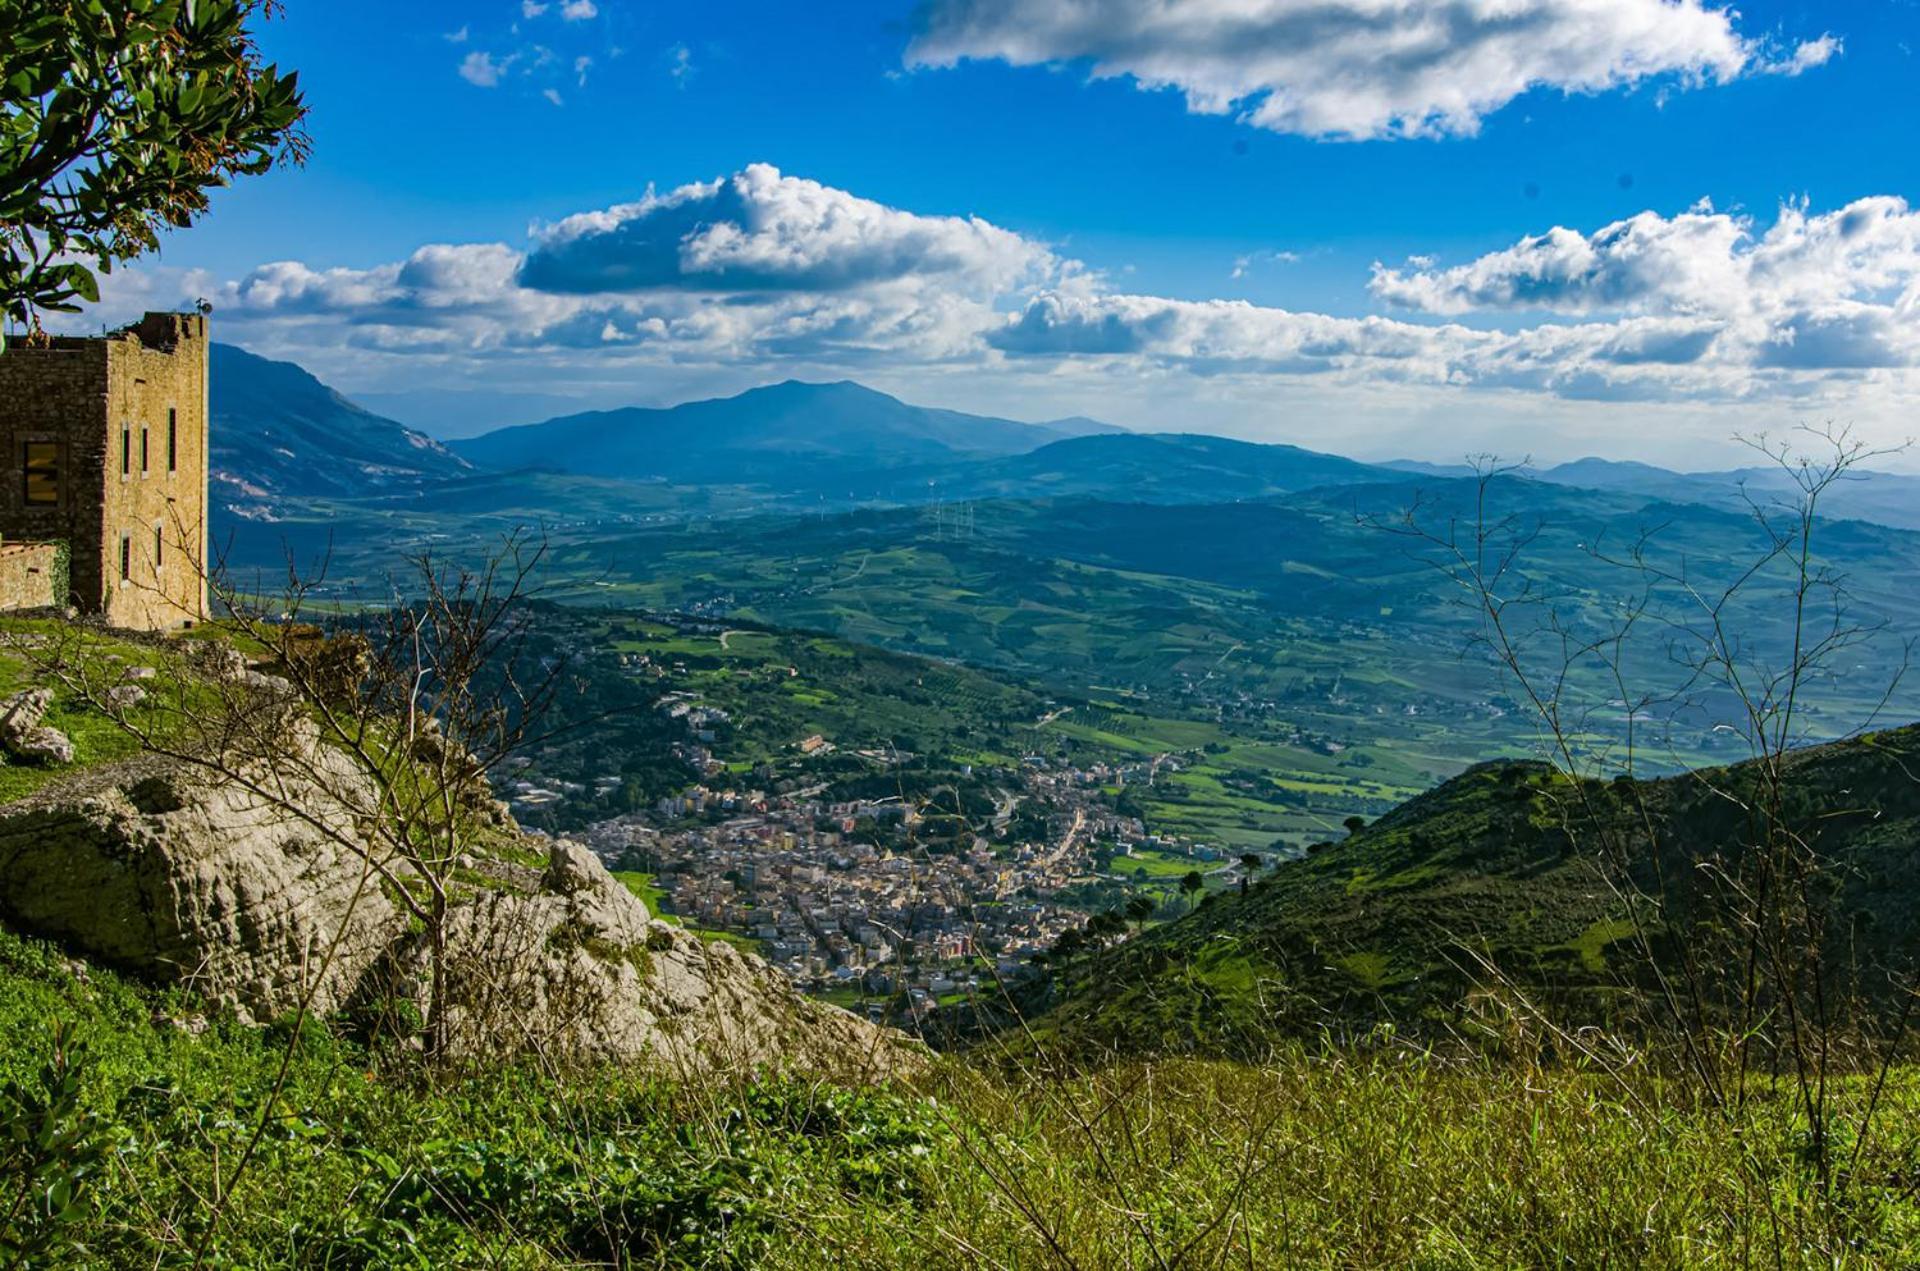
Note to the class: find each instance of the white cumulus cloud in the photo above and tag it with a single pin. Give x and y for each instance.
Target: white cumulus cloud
(1815, 310)
(1360, 68)
(760, 230)
(1807, 55)
(752, 267)
(1648, 260)
(482, 70)
(1831, 290)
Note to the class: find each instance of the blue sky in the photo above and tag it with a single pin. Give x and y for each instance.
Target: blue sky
(1132, 169)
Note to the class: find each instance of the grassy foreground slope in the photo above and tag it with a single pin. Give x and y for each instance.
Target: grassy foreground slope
(125, 1140)
(1495, 869)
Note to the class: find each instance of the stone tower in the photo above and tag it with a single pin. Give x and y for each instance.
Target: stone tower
(107, 453)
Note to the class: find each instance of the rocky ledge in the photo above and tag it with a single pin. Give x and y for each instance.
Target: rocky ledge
(261, 906)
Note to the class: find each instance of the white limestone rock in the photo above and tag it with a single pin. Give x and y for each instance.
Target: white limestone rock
(22, 734)
(124, 697)
(41, 745)
(165, 872)
(24, 710)
(578, 973)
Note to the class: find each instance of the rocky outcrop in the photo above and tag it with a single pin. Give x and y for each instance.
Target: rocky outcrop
(159, 870)
(24, 737)
(577, 971)
(185, 879)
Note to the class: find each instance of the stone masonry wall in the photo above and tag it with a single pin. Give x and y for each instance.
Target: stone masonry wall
(56, 394)
(104, 403)
(27, 575)
(156, 475)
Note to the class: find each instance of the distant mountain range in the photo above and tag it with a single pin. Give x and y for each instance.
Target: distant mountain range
(792, 434)
(279, 432)
(1884, 497)
(1161, 468)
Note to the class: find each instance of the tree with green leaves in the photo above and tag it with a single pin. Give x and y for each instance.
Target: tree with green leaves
(116, 121)
(1140, 908)
(1066, 945)
(1106, 926)
(1191, 885)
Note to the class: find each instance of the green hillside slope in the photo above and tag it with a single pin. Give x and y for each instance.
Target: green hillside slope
(1494, 876)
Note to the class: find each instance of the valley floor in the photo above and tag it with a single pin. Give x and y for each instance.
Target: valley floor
(146, 1135)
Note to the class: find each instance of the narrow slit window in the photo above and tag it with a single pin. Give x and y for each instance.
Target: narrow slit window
(159, 548)
(126, 449)
(126, 557)
(41, 463)
(143, 450)
(173, 439)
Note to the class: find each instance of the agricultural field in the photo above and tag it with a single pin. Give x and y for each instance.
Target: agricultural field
(898, 723)
(1245, 784)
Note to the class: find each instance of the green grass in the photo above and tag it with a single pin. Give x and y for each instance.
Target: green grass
(1316, 1156)
(1321, 1158)
(1332, 1159)
(96, 738)
(642, 885)
(746, 944)
(1159, 865)
(1592, 943)
(361, 1164)
(845, 998)
(1369, 968)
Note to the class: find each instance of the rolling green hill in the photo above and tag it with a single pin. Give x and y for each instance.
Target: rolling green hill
(939, 720)
(1498, 870)
(1262, 602)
